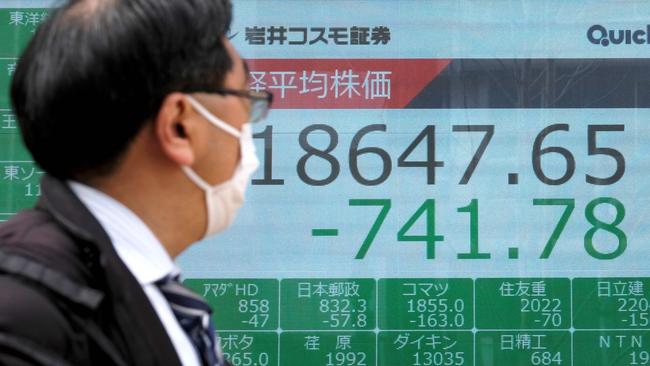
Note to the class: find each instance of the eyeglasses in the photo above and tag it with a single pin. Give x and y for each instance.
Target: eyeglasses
(260, 101)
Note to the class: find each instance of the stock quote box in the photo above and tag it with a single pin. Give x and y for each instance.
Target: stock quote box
(611, 303)
(425, 348)
(17, 25)
(7, 68)
(328, 348)
(426, 304)
(20, 177)
(240, 304)
(498, 348)
(16, 28)
(252, 349)
(523, 303)
(611, 348)
(326, 304)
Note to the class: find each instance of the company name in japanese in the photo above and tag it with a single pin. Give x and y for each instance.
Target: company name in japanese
(299, 36)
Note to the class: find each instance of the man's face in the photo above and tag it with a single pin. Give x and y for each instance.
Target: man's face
(223, 151)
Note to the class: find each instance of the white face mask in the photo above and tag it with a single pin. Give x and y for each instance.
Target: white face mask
(224, 200)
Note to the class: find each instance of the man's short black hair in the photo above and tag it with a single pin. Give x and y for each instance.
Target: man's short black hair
(97, 70)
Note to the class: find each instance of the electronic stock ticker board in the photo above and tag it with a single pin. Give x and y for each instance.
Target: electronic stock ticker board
(441, 183)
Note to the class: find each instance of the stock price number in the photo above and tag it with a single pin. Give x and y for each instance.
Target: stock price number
(545, 358)
(437, 313)
(548, 309)
(346, 359)
(344, 313)
(640, 358)
(247, 358)
(431, 237)
(636, 309)
(440, 358)
(258, 309)
(427, 137)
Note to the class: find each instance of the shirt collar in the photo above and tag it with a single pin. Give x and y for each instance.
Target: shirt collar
(132, 239)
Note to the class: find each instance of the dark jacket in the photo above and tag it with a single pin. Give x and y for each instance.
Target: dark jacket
(71, 300)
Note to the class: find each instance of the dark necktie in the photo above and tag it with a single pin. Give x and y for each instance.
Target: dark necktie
(193, 314)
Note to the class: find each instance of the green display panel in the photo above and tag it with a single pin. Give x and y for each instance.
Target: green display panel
(328, 348)
(523, 348)
(19, 176)
(249, 304)
(611, 348)
(426, 304)
(613, 303)
(250, 349)
(17, 26)
(8, 122)
(519, 321)
(523, 303)
(11, 146)
(425, 348)
(328, 304)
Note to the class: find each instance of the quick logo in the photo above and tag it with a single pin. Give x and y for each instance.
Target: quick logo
(597, 34)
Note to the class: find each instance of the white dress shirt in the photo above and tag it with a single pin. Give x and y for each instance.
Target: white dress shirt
(143, 255)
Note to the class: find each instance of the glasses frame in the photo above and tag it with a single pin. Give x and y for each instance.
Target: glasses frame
(260, 101)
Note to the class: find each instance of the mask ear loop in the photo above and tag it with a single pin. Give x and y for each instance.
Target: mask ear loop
(196, 179)
(206, 190)
(213, 119)
(219, 124)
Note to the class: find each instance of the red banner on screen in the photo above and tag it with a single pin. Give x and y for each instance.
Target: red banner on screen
(343, 83)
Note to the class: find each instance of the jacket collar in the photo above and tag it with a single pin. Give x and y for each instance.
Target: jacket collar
(149, 344)
(58, 199)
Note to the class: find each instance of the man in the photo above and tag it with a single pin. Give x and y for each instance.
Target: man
(138, 111)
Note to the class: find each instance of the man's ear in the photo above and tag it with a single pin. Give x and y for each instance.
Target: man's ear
(174, 129)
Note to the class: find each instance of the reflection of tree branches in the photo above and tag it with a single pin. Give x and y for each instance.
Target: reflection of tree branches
(594, 66)
(513, 69)
(542, 89)
(536, 82)
(548, 74)
(521, 82)
(498, 82)
(611, 90)
(465, 89)
(539, 77)
(578, 69)
(583, 70)
(538, 95)
(523, 74)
